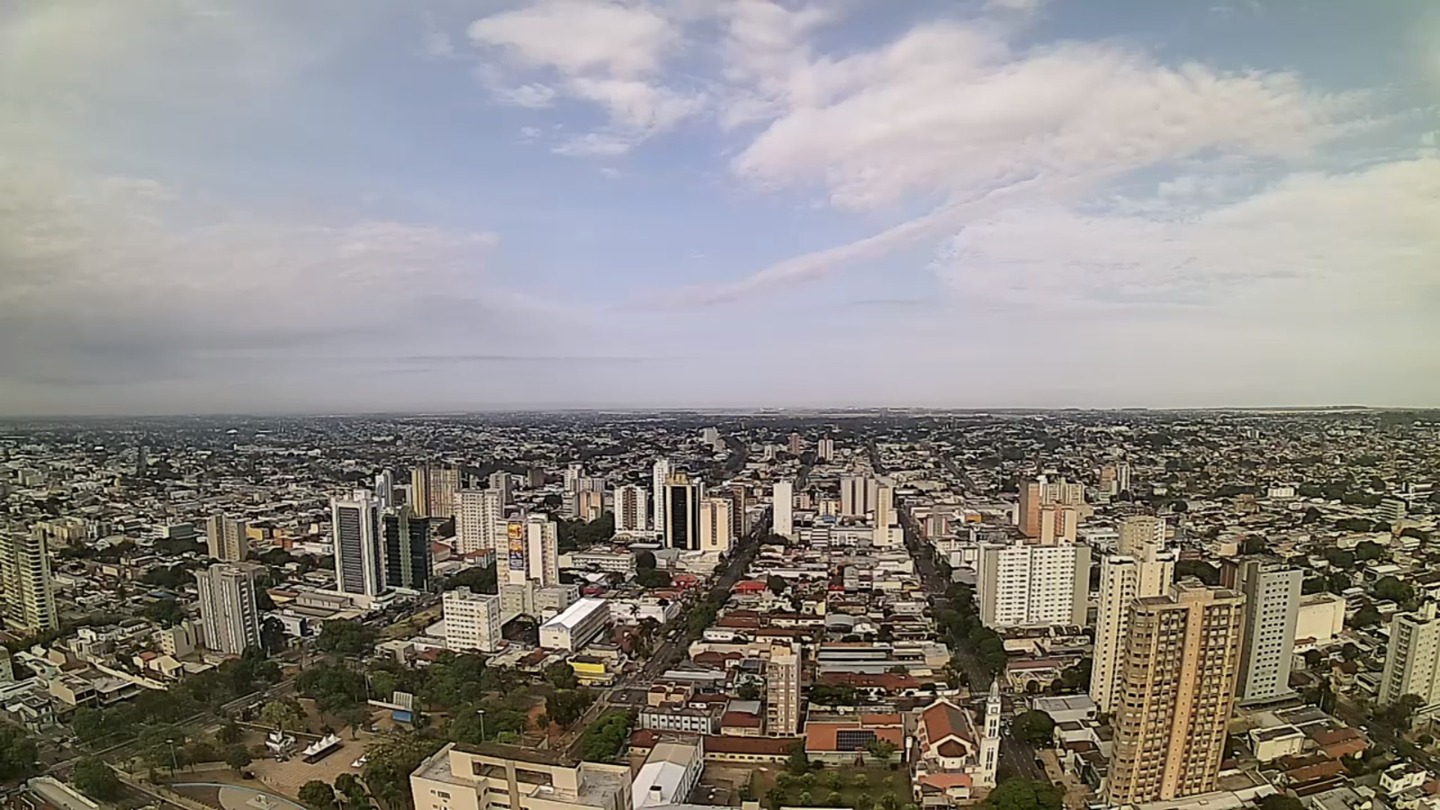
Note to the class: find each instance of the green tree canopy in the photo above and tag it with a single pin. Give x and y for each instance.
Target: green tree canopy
(95, 779)
(347, 637)
(317, 795)
(1036, 728)
(1024, 794)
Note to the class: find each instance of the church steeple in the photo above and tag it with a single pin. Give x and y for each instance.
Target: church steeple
(990, 742)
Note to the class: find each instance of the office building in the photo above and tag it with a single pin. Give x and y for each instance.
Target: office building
(782, 521)
(1412, 660)
(432, 490)
(658, 476)
(385, 490)
(1142, 567)
(472, 621)
(782, 692)
(25, 581)
(1272, 605)
(1032, 585)
(716, 526)
(1180, 664)
(359, 562)
(825, 449)
(1392, 510)
(576, 626)
(505, 777)
(229, 619)
(225, 538)
(710, 435)
(631, 509)
(682, 511)
(858, 494)
(407, 550)
(479, 520)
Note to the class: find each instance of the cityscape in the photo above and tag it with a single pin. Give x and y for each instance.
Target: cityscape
(858, 609)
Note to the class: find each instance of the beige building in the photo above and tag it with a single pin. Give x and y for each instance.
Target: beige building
(29, 599)
(1321, 618)
(1141, 567)
(432, 490)
(1178, 676)
(226, 540)
(1412, 661)
(505, 777)
(782, 692)
(1051, 511)
(716, 525)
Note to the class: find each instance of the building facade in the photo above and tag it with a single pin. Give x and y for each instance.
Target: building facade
(225, 538)
(503, 777)
(432, 490)
(407, 550)
(716, 526)
(355, 526)
(1412, 659)
(25, 580)
(682, 511)
(631, 508)
(1031, 585)
(783, 510)
(782, 692)
(1272, 605)
(1143, 567)
(472, 621)
(479, 520)
(229, 619)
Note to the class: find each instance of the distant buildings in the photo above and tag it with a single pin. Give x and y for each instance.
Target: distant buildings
(682, 511)
(659, 474)
(407, 550)
(25, 582)
(472, 621)
(432, 490)
(1142, 567)
(229, 619)
(225, 538)
(858, 494)
(1272, 604)
(1050, 511)
(1178, 676)
(355, 524)
(631, 509)
(1026, 584)
(783, 510)
(1412, 661)
(825, 449)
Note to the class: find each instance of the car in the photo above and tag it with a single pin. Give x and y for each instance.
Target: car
(247, 775)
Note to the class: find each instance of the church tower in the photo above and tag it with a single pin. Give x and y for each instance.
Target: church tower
(990, 743)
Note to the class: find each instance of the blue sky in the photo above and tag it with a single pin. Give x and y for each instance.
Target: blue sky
(349, 205)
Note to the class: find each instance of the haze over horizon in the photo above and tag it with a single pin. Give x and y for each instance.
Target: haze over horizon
(351, 206)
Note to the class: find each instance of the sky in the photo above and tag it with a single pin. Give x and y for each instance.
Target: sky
(263, 206)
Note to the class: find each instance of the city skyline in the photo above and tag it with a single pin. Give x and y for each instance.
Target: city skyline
(330, 207)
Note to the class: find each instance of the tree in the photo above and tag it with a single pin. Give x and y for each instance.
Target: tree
(231, 733)
(387, 771)
(645, 561)
(1203, 571)
(1023, 794)
(272, 636)
(165, 612)
(317, 795)
(346, 637)
(1369, 550)
(355, 718)
(882, 750)
(237, 757)
(353, 789)
(282, 714)
(1035, 728)
(17, 754)
(1281, 802)
(1366, 616)
(1398, 714)
(605, 737)
(95, 779)
(799, 762)
(1393, 589)
(776, 584)
(651, 578)
(748, 691)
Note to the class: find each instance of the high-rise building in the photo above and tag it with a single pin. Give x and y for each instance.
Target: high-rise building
(884, 505)
(1180, 664)
(589, 503)
(782, 692)
(1272, 607)
(739, 509)
(432, 490)
(25, 582)
(385, 490)
(825, 449)
(631, 509)
(710, 435)
(1412, 661)
(229, 618)
(479, 520)
(716, 525)
(534, 550)
(359, 563)
(797, 444)
(407, 550)
(573, 473)
(782, 520)
(658, 475)
(1142, 567)
(503, 483)
(1051, 511)
(472, 621)
(1032, 585)
(682, 511)
(225, 538)
(858, 494)
(1122, 475)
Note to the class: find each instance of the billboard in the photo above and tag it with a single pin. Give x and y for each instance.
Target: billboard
(515, 534)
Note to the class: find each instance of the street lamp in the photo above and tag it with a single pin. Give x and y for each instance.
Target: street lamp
(173, 763)
(481, 712)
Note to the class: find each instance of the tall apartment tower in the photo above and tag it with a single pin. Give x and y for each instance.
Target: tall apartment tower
(797, 444)
(432, 490)
(739, 509)
(359, 563)
(1412, 661)
(472, 621)
(858, 494)
(503, 483)
(225, 538)
(631, 509)
(25, 581)
(534, 551)
(1050, 511)
(479, 520)
(1272, 606)
(385, 489)
(228, 615)
(407, 550)
(715, 525)
(658, 475)
(783, 510)
(1142, 567)
(825, 449)
(682, 511)
(1180, 665)
(782, 692)
(1032, 585)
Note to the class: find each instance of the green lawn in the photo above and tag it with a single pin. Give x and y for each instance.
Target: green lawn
(860, 788)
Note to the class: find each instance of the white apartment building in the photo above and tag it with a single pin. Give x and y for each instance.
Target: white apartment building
(1412, 661)
(355, 525)
(479, 519)
(858, 494)
(533, 550)
(225, 538)
(716, 524)
(1028, 585)
(229, 619)
(631, 509)
(472, 621)
(1141, 567)
(783, 510)
(658, 476)
(1272, 604)
(782, 692)
(25, 582)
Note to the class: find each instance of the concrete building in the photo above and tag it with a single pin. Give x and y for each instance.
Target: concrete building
(504, 484)
(533, 550)
(229, 619)
(225, 538)
(589, 504)
(1272, 604)
(670, 773)
(1178, 677)
(716, 526)
(1141, 568)
(472, 621)
(407, 550)
(857, 495)
(479, 520)
(432, 490)
(783, 510)
(682, 511)
(575, 626)
(355, 526)
(1051, 511)
(1412, 660)
(631, 509)
(25, 582)
(825, 449)
(782, 692)
(1320, 618)
(503, 777)
(659, 474)
(1028, 585)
